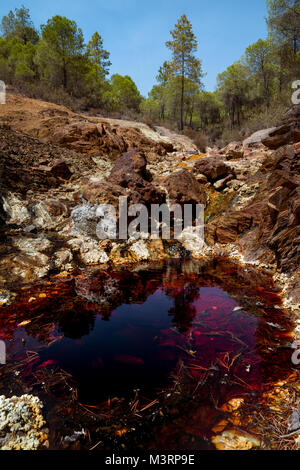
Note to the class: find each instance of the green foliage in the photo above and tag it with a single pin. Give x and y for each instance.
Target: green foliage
(209, 107)
(98, 55)
(184, 64)
(60, 50)
(257, 89)
(59, 66)
(283, 23)
(232, 89)
(284, 30)
(123, 94)
(18, 25)
(261, 60)
(174, 98)
(251, 93)
(21, 60)
(151, 109)
(183, 46)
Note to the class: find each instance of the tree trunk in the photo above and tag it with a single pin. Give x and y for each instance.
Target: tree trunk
(191, 116)
(231, 115)
(266, 88)
(181, 103)
(280, 81)
(64, 76)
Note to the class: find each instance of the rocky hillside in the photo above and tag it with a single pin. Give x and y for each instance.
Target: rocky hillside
(55, 163)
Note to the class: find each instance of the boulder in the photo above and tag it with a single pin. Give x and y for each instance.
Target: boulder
(257, 138)
(212, 167)
(130, 165)
(130, 172)
(233, 151)
(58, 169)
(283, 135)
(278, 137)
(221, 184)
(287, 133)
(183, 188)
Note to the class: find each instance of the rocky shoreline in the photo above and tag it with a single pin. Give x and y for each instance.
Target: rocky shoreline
(250, 192)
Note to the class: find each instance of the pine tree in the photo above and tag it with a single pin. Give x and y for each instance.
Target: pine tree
(61, 48)
(97, 54)
(260, 60)
(18, 24)
(184, 64)
(284, 29)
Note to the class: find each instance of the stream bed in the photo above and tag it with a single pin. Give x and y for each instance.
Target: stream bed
(152, 352)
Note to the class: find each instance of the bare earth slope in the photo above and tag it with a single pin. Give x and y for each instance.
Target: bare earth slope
(96, 136)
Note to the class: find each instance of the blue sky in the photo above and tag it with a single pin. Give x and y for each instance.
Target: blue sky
(135, 31)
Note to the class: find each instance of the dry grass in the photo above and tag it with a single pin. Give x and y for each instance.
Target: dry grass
(198, 138)
(271, 420)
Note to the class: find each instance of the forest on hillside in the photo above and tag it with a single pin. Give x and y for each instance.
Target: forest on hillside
(56, 64)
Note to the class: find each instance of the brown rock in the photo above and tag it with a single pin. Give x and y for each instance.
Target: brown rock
(280, 136)
(287, 133)
(268, 228)
(101, 192)
(130, 172)
(105, 139)
(212, 167)
(233, 151)
(254, 141)
(221, 184)
(59, 169)
(295, 209)
(130, 165)
(227, 229)
(183, 188)
(90, 138)
(278, 198)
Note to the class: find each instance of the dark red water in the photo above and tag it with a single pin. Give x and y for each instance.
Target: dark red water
(117, 331)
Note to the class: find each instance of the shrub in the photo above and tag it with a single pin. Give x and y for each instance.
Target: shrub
(199, 139)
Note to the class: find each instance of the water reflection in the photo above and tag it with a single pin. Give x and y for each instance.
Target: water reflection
(126, 328)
